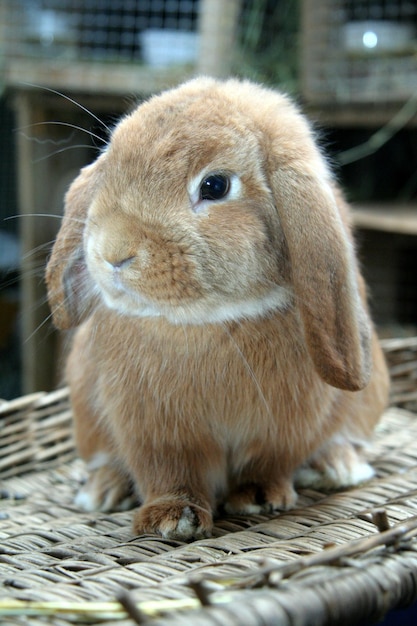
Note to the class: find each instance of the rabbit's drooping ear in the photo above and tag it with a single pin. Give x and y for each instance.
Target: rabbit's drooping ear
(70, 292)
(325, 278)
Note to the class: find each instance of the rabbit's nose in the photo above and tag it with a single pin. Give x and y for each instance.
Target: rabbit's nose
(123, 263)
(119, 264)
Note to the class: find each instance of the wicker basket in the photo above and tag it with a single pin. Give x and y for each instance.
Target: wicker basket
(402, 359)
(339, 558)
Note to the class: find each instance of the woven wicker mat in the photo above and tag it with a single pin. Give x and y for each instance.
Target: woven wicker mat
(339, 558)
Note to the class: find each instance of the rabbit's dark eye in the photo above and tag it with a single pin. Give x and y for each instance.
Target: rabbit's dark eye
(214, 187)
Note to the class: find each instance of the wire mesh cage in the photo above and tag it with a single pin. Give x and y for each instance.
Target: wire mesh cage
(359, 51)
(112, 30)
(249, 37)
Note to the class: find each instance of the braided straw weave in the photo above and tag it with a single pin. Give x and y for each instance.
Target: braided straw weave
(339, 558)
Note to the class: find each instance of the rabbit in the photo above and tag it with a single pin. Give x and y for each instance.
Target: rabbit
(224, 353)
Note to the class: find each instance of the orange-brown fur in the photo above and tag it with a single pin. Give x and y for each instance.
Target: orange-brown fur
(232, 346)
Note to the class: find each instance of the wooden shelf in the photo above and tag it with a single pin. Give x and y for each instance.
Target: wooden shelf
(392, 218)
(93, 77)
(348, 115)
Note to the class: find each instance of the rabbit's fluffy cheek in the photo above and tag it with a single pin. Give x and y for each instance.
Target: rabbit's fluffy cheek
(139, 278)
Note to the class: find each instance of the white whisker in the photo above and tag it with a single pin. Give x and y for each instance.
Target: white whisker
(54, 215)
(57, 123)
(38, 328)
(52, 154)
(184, 329)
(77, 104)
(249, 370)
(41, 248)
(9, 282)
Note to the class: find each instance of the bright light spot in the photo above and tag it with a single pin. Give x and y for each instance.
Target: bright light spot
(370, 39)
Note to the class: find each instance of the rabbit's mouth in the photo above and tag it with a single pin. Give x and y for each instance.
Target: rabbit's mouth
(130, 304)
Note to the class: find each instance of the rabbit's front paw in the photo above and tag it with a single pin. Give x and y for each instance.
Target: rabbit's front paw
(106, 488)
(280, 496)
(174, 518)
(245, 500)
(253, 499)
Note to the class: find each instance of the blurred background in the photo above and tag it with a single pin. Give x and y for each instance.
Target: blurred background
(70, 68)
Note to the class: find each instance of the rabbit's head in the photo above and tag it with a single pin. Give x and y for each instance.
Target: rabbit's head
(212, 204)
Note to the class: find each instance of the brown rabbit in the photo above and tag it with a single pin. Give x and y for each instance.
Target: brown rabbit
(224, 347)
